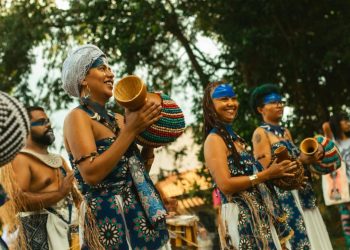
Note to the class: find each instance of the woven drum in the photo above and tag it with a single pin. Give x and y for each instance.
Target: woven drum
(167, 129)
(331, 160)
(288, 183)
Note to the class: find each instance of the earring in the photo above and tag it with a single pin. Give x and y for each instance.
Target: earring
(86, 96)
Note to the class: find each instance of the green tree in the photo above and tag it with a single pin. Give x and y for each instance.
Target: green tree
(302, 45)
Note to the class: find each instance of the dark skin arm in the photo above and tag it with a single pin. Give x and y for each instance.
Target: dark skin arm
(215, 154)
(33, 201)
(78, 133)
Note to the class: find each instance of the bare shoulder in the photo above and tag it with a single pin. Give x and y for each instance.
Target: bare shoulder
(213, 141)
(76, 115)
(258, 135)
(21, 161)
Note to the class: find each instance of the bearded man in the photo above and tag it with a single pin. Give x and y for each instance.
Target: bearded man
(46, 183)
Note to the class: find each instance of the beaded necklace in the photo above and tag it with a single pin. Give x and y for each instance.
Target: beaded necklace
(275, 129)
(100, 114)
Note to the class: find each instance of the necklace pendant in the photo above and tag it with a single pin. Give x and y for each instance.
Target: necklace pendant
(96, 117)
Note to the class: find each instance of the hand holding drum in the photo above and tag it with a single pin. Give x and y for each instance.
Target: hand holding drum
(322, 153)
(131, 93)
(289, 182)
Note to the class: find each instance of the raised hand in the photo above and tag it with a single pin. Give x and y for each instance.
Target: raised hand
(141, 119)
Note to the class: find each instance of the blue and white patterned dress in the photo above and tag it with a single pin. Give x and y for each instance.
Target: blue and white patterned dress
(303, 215)
(126, 206)
(253, 218)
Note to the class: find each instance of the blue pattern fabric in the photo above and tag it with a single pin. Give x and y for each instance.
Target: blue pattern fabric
(306, 195)
(142, 208)
(255, 229)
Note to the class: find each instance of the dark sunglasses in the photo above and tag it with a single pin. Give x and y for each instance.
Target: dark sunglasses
(40, 122)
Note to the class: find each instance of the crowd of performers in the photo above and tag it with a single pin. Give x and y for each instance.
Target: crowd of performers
(107, 199)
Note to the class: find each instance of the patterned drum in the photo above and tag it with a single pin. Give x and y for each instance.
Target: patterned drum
(131, 93)
(183, 230)
(167, 129)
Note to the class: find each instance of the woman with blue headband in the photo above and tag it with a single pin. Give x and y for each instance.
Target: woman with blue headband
(250, 214)
(303, 215)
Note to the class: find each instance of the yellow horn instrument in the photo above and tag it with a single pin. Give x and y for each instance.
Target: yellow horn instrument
(309, 146)
(130, 92)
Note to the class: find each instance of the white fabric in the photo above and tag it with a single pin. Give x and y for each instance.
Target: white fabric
(316, 230)
(315, 227)
(76, 66)
(229, 213)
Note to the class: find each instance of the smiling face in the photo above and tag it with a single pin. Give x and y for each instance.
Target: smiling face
(225, 103)
(226, 108)
(100, 81)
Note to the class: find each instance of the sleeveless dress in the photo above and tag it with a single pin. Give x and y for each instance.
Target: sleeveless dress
(126, 206)
(303, 216)
(253, 218)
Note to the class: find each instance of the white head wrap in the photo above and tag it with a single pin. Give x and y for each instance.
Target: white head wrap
(77, 65)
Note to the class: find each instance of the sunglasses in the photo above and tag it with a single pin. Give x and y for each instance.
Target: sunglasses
(40, 122)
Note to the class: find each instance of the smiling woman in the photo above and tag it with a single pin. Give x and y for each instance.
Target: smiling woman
(250, 217)
(111, 171)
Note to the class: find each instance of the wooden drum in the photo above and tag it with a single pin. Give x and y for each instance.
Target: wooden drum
(183, 230)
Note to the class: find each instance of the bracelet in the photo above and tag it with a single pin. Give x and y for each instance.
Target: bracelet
(92, 157)
(254, 179)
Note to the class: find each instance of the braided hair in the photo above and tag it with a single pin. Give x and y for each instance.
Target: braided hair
(211, 121)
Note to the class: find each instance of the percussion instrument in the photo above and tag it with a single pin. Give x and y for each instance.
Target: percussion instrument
(183, 230)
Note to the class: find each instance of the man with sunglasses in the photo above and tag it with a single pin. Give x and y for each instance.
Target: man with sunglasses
(46, 183)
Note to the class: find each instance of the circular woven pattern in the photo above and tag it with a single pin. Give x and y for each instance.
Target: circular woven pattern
(290, 183)
(331, 160)
(14, 127)
(167, 129)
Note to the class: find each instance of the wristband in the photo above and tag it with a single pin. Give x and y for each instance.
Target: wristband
(254, 179)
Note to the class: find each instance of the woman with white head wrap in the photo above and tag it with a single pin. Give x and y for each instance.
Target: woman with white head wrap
(107, 163)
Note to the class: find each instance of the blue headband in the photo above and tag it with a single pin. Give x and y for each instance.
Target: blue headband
(223, 90)
(98, 62)
(272, 97)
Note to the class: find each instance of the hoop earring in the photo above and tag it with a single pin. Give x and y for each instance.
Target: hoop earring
(86, 96)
